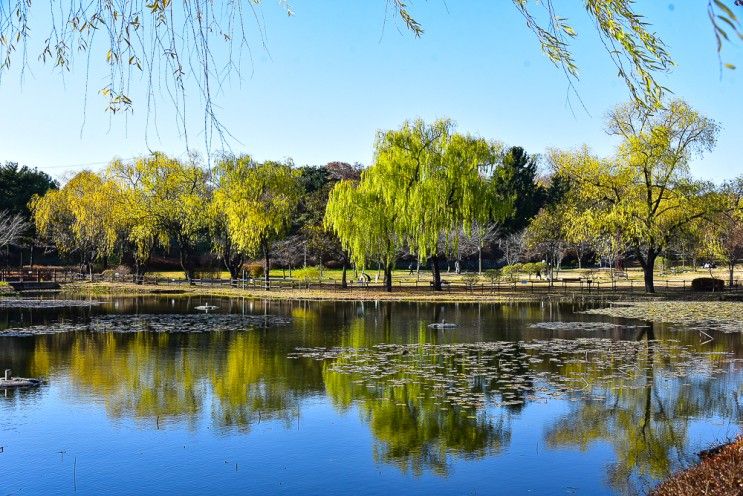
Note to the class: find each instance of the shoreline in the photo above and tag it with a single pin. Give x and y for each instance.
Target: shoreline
(718, 471)
(424, 295)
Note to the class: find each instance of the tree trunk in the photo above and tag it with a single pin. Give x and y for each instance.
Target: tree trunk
(479, 260)
(648, 267)
(731, 268)
(344, 280)
(140, 267)
(436, 272)
(186, 260)
(266, 267)
(388, 278)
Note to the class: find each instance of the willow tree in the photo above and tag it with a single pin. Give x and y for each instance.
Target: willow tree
(165, 203)
(258, 200)
(218, 227)
(78, 219)
(646, 191)
(435, 182)
(366, 227)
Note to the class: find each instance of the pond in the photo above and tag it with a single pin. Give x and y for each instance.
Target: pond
(148, 395)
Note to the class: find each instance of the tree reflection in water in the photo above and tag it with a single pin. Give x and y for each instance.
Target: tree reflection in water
(641, 400)
(646, 421)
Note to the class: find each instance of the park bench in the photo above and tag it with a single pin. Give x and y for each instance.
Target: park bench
(621, 275)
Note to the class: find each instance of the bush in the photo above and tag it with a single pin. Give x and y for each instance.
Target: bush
(540, 267)
(121, 270)
(709, 284)
(528, 268)
(511, 272)
(470, 279)
(254, 270)
(207, 274)
(307, 274)
(494, 275)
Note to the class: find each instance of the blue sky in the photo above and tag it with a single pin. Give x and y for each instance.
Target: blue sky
(335, 73)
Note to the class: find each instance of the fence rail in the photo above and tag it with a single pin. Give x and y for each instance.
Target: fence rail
(566, 285)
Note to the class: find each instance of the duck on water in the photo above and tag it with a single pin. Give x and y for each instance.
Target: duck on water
(442, 325)
(8, 382)
(206, 307)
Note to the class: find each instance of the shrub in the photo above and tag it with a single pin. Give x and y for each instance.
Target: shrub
(254, 270)
(307, 274)
(540, 267)
(511, 272)
(528, 268)
(494, 275)
(707, 284)
(207, 274)
(470, 279)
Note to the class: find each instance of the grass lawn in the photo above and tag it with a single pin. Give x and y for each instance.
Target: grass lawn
(424, 277)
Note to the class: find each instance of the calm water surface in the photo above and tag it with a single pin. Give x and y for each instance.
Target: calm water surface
(233, 411)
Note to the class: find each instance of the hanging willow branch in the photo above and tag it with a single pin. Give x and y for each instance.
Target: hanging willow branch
(172, 46)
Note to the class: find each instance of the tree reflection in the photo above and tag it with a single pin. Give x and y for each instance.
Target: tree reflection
(646, 421)
(641, 402)
(411, 428)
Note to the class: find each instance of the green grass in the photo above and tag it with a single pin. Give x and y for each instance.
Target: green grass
(403, 276)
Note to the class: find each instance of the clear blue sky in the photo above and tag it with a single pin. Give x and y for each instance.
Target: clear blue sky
(336, 74)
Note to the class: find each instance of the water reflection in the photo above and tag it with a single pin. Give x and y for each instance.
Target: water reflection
(435, 405)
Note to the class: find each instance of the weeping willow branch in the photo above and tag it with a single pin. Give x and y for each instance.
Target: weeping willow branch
(171, 48)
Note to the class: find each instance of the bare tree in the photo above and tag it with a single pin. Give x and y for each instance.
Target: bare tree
(512, 247)
(12, 228)
(474, 241)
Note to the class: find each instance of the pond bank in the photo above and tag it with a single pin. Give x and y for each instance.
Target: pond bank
(350, 294)
(720, 471)
(398, 294)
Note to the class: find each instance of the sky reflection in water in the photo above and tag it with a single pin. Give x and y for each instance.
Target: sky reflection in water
(269, 410)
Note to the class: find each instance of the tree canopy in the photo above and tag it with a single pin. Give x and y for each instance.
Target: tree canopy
(79, 219)
(166, 203)
(258, 201)
(18, 184)
(427, 183)
(646, 191)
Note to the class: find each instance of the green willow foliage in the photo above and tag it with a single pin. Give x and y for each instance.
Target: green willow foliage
(258, 201)
(427, 182)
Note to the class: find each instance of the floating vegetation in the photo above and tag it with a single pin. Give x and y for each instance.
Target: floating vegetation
(510, 374)
(693, 315)
(171, 323)
(576, 326)
(44, 303)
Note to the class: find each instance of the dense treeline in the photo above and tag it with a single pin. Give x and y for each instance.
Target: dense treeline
(431, 196)
(18, 184)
